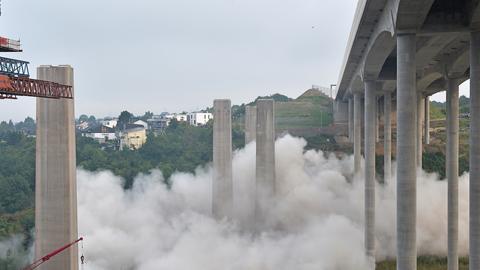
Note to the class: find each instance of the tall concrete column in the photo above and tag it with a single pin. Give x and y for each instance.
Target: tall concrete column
(363, 125)
(377, 121)
(250, 123)
(357, 130)
(427, 120)
(222, 186)
(350, 120)
(370, 127)
(452, 172)
(56, 187)
(406, 152)
(420, 116)
(387, 136)
(474, 151)
(265, 162)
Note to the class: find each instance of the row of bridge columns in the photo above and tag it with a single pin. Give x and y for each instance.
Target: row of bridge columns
(413, 124)
(259, 127)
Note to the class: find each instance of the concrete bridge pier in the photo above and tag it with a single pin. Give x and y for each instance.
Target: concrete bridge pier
(452, 171)
(250, 123)
(350, 119)
(55, 175)
(265, 158)
(222, 185)
(406, 152)
(387, 136)
(378, 113)
(370, 128)
(427, 120)
(474, 233)
(357, 130)
(420, 116)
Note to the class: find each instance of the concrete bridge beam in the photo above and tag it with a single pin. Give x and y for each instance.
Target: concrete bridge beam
(452, 171)
(406, 153)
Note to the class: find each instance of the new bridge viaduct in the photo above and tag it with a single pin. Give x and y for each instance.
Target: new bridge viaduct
(405, 51)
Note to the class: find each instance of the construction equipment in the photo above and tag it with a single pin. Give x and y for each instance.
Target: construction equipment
(14, 67)
(11, 87)
(47, 257)
(15, 78)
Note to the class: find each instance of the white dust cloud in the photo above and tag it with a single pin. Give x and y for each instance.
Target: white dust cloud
(316, 223)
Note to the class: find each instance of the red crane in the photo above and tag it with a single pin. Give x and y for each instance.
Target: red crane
(47, 257)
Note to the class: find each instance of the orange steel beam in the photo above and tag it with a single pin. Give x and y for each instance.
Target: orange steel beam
(10, 87)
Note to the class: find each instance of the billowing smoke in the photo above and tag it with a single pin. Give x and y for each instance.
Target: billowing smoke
(316, 222)
(13, 253)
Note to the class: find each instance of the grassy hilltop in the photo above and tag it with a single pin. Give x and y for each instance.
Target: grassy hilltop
(310, 110)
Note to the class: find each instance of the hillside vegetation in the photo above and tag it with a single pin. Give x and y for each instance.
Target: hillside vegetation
(310, 110)
(303, 115)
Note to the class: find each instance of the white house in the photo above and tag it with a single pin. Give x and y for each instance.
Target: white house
(83, 126)
(158, 124)
(141, 123)
(178, 117)
(111, 123)
(101, 134)
(199, 118)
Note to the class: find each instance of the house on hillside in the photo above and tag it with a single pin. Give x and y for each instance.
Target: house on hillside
(111, 123)
(142, 123)
(133, 136)
(158, 124)
(82, 126)
(178, 117)
(199, 118)
(100, 133)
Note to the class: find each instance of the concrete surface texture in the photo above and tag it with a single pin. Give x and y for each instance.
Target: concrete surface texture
(222, 185)
(56, 191)
(370, 139)
(452, 171)
(406, 153)
(265, 158)
(350, 120)
(474, 233)
(387, 137)
(250, 123)
(357, 132)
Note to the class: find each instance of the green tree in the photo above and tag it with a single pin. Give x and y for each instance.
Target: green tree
(83, 118)
(147, 115)
(124, 118)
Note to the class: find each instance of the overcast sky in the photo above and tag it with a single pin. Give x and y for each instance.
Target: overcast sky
(178, 55)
